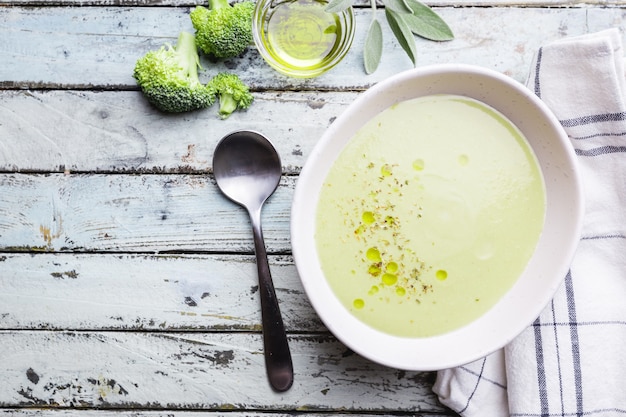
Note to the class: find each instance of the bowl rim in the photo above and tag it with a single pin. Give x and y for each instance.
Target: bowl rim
(489, 332)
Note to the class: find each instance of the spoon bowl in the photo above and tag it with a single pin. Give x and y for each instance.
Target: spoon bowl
(247, 170)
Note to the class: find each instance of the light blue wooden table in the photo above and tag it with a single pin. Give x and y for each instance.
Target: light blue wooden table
(127, 282)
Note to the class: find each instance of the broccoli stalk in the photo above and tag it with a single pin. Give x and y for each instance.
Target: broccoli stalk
(222, 30)
(168, 77)
(232, 92)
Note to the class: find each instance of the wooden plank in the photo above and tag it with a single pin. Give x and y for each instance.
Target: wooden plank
(197, 371)
(118, 131)
(26, 412)
(356, 3)
(53, 47)
(133, 213)
(216, 293)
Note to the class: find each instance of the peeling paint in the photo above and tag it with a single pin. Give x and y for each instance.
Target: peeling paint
(28, 394)
(191, 302)
(32, 376)
(67, 274)
(47, 234)
(107, 387)
(316, 104)
(190, 157)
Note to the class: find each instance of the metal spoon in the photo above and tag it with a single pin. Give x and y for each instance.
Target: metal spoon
(247, 170)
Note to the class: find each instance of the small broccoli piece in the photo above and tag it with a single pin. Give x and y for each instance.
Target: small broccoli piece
(222, 30)
(168, 77)
(232, 92)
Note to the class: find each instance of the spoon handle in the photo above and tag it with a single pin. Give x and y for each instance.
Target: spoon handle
(277, 355)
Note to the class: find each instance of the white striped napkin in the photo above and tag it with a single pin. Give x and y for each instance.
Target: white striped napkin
(572, 360)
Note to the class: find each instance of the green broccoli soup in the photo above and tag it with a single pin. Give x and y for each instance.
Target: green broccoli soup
(429, 215)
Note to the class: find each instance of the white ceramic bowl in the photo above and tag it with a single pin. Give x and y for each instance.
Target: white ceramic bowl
(546, 269)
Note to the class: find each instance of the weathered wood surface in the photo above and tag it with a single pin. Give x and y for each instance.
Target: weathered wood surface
(217, 366)
(193, 413)
(132, 213)
(196, 370)
(96, 47)
(356, 3)
(127, 282)
(211, 293)
(196, 413)
(117, 131)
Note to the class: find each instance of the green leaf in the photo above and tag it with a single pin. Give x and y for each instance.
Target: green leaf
(426, 23)
(398, 6)
(373, 50)
(338, 6)
(403, 33)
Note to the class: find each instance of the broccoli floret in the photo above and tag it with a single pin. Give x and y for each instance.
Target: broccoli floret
(222, 30)
(168, 77)
(232, 92)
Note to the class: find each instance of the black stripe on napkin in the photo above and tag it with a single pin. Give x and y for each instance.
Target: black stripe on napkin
(483, 377)
(537, 71)
(602, 150)
(541, 369)
(540, 356)
(571, 310)
(599, 135)
(478, 379)
(593, 118)
(610, 236)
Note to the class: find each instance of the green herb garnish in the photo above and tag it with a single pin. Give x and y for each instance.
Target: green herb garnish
(405, 18)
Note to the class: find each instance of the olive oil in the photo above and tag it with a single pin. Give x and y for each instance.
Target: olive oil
(300, 34)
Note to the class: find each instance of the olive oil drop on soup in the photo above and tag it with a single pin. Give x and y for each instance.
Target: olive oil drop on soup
(429, 215)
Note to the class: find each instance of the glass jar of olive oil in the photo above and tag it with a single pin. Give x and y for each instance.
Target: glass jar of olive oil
(299, 38)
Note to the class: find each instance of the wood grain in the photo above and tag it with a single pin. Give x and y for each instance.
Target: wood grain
(118, 131)
(97, 47)
(26, 412)
(133, 213)
(214, 371)
(356, 3)
(205, 293)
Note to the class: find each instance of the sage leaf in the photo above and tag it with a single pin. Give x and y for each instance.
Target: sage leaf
(402, 33)
(373, 50)
(338, 6)
(399, 6)
(424, 22)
